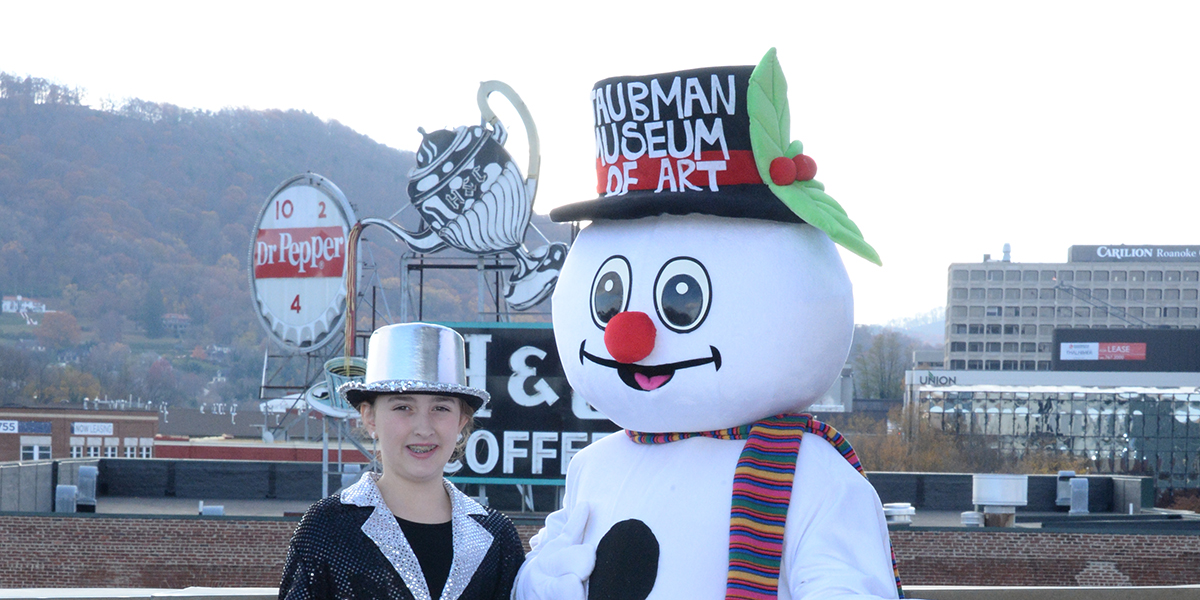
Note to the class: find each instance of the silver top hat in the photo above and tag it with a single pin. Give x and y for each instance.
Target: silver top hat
(415, 358)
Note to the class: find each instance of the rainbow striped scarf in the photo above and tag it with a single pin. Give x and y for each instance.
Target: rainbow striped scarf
(762, 490)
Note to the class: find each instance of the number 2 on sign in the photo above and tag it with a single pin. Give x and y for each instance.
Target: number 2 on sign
(296, 303)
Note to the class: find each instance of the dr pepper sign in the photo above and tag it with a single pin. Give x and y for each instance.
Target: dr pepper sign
(298, 262)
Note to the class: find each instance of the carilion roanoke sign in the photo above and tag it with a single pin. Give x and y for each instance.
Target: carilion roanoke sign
(1123, 253)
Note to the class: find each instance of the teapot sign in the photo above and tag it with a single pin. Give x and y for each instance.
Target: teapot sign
(472, 197)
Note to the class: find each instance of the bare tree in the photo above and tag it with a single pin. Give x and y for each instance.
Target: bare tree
(879, 368)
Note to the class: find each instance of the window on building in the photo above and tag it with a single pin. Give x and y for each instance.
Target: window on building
(958, 365)
(995, 275)
(110, 452)
(1120, 276)
(1083, 312)
(1028, 365)
(978, 293)
(1100, 276)
(1172, 275)
(993, 311)
(1083, 275)
(974, 346)
(1029, 294)
(978, 275)
(1191, 275)
(93, 451)
(1100, 294)
(958, 346)
(1137, 275)
(1049, 276)
(1066, 275)
(958, 275)
(1011, 346)
(1153, 295)
(1028, 347)
(958, 293)
(993, 330)
(1153, 312)
(958, 328)
(1012, 329)
(1008, 365)
(995, 294)
(1046, 293)
(1029, 275)
(958, 312)
(1154, 275)
(974, 365)
(975, 328)
(1137, 295)
(991, 365)
(1028, 311)
(1064, 312)
(130, 451)
(1136, 312)
(1171, 312)
(1043, 365)
(1012, 311)
(1170, 294)
(1188, 312)
(1046, 313)
(1012, 275)
(1189, 294)
(993, 346)
(1044, 346)
(1029, 330)
(1118, 294)
(1012, 294)
(76, 451)
(35, 452)
(146, 451)
(976, 312)
(1100, 312)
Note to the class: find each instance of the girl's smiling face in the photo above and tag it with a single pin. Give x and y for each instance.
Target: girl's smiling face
(416, 433)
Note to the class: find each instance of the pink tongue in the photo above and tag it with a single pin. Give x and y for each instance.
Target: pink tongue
(650, 383)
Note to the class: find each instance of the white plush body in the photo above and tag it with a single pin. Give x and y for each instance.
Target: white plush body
(835, 542)
(780, 317)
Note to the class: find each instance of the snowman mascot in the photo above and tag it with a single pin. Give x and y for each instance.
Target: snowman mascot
(702, 310)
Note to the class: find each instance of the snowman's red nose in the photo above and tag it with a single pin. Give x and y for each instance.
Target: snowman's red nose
(629, 336)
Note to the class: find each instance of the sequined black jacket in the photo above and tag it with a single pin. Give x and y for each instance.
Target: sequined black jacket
(350, 546)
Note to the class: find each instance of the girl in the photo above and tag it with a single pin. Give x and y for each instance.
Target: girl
(407, 533)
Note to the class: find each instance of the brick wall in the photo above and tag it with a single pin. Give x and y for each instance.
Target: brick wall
(98, 551)
(991, 557)
(177, 552)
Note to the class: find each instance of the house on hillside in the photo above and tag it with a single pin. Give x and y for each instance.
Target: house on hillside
(18, 304)
(176, 323)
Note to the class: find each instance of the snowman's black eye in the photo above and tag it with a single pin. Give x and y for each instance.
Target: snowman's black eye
(610, 290)
(682, 294)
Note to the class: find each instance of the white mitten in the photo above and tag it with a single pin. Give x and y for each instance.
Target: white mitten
(558, 569)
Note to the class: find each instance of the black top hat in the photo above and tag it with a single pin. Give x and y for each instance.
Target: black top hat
(712, 141)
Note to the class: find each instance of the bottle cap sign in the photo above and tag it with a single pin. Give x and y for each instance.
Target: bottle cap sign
(298, 262)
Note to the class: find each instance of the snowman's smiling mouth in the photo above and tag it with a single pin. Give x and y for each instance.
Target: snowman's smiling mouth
(645, 378)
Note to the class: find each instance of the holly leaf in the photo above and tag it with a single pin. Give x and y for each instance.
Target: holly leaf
(770, 124)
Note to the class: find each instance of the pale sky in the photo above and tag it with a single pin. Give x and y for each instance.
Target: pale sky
(946, 129)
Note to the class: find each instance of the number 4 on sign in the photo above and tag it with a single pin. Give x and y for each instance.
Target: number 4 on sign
(296, 303)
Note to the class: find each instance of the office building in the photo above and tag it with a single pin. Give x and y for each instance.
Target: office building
(1001, 315)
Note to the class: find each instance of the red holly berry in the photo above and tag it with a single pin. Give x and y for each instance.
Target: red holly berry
(783, 171)
(806, 167)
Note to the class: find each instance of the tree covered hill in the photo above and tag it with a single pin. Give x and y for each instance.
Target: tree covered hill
(127, 213)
